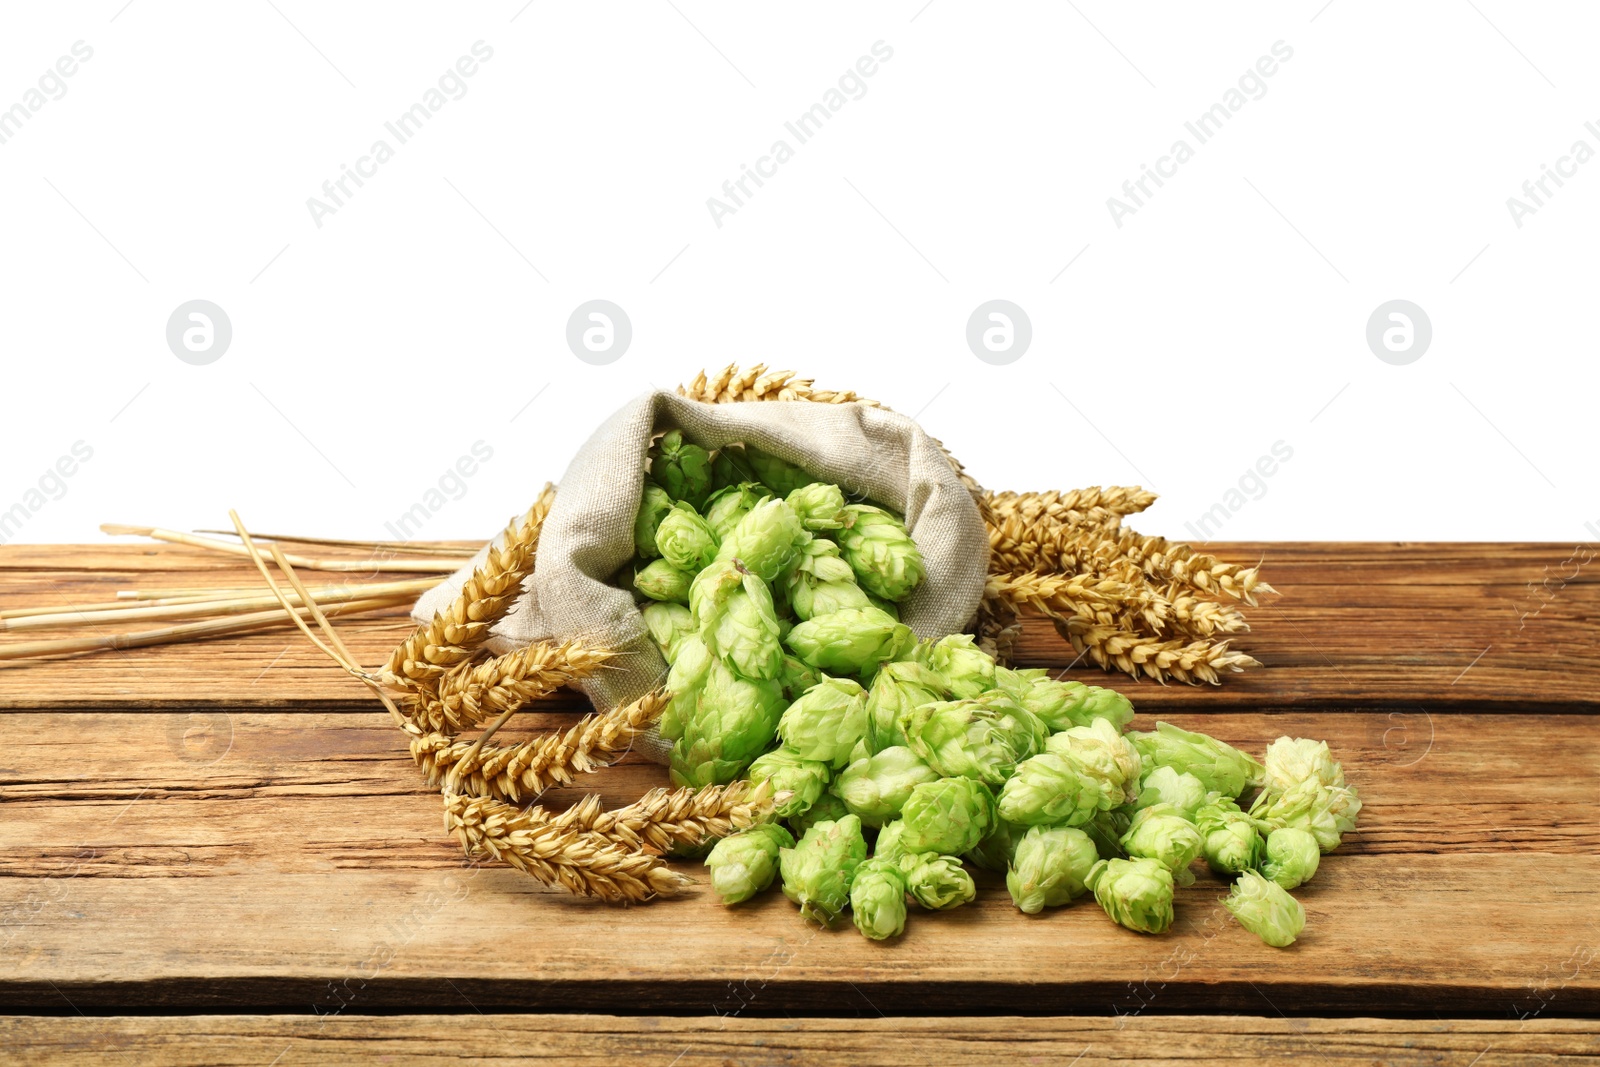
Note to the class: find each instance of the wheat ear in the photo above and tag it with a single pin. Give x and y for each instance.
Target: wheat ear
(1096, 503)
(1171, 561)
(513, 771)
(732, 384)
(1201, 660)
(455, 633)
(664, 819)
(470, 693)
(587, 864)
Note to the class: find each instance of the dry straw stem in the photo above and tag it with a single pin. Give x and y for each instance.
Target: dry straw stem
(1074, 505)
(358, 566)
(584, 863)
(125, 611)
(470, 693)
(511, 772)
(191, 631)
(665, 819)
(455, 633)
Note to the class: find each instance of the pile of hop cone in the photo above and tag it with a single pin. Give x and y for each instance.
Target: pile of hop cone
(1125, 601)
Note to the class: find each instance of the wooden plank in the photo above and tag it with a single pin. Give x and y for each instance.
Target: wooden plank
(1446, 626)
(293, 862)
(585, 1040)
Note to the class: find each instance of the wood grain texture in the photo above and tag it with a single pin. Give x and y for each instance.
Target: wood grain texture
(1487, 627)
(235, 826)
(272, 861)
(588, 1040)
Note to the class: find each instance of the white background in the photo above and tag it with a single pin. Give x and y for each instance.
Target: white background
(429, 311)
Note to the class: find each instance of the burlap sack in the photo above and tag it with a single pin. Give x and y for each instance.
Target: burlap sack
(869, 452)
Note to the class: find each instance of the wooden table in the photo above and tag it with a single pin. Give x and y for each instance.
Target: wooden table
(221, 852)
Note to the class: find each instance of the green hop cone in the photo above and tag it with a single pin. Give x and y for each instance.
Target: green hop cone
(685, 540)
(898, 689)
(949, 816)
(778, 475)
(796, 677)
(737, 619)
(669, 625)
(1266, 909)
(733, 720)
(1221, 767)
(882, 553)
(850, 641)
(888, 845)
(652, 509)
(1326, 812)
(827, 721)
(690, 667)
(662, 581)
(997, 848)
(819, 582)
(827, 808)
(967, 670)
(1049, 868)
(1182, 790)
(1136, 893)
(935, 882)
(1292, 760)
(745, 864)
(818, 870)
(983, 738)
(727, 506)
(1105, 829)
(1231, 841)
(789, 773)
(819, 505)
(1063, 705)
(1016, 683)
(1291, 857)
(878, 786)
(1102, 750)
(682, 469)
(731, 467)
(1163, 833)
(1050, 790)
(888, 607)
(878, 899)
(765, 540)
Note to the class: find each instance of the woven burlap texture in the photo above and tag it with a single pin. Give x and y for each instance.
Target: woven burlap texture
(869, 452)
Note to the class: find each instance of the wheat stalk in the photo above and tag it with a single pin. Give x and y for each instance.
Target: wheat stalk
(1171, 561)
(757, 383)
(470, 693)
(665, 819)
(455, 633)
(587, 864)
(513, 771)
(1094, 504)
(1193, 661)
